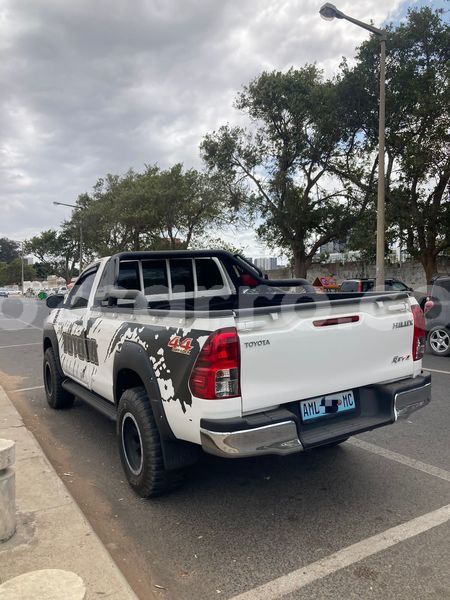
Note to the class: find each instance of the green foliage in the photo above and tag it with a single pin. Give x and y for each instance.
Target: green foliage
(11, 273)
(57, 251)
(278, 168)
(417, 130)
(9, 250)
(156, 209)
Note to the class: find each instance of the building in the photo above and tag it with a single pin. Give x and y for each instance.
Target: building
(265, 263)
(333, 247)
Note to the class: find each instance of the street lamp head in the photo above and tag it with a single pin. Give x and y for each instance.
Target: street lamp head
(329, 12)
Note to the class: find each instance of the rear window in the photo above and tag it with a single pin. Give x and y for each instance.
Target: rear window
(155, 277)
(208, 274)
(349, 286)
(367, 286)
(181, 275)
(129, 275)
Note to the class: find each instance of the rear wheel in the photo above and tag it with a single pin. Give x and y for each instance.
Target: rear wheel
(439, 341)
(57, 397)
(140, 446)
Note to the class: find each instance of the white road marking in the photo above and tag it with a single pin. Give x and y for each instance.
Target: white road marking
(22, 321)
(20, 345)
(437, 371)
(38, 387)
(400, 458)
(347, 556)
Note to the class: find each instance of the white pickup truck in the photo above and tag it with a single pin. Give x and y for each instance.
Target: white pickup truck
(191, 350)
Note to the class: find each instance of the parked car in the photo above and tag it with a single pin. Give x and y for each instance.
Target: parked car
(171, 347)
(4, 293)
(367, 285)
(437, 316)
(63, 290)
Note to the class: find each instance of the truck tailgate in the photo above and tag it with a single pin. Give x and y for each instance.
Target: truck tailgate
(315, 349)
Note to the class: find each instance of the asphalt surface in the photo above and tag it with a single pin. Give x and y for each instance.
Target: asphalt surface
(236, 525)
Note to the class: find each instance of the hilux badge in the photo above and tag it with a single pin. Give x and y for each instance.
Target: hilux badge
(400, 324)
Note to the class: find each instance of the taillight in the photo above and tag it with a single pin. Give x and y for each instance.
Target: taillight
(360, 286)
(216, 372)
(248, 280)
(419, 338)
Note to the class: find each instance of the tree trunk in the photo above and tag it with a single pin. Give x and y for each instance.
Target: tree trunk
(301, 264)
(429, 263)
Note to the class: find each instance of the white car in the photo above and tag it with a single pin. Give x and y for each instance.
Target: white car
(170, 346)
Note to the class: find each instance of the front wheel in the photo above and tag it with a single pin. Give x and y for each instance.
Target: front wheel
(439, 341)
(140, 446)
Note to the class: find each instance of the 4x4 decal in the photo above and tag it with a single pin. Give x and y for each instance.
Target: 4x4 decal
(176, 344)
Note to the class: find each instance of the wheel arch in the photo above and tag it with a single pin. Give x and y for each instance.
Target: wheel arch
(50, 340)
(132, 368)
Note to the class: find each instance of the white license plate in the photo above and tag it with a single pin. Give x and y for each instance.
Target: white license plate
(333, 404)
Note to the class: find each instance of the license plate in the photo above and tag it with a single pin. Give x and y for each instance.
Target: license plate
(323, 406)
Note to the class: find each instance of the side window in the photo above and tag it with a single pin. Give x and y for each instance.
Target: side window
(129, 275)
(155, 277)
(398, 286)
(367, 286)
(79, 295)
(181, 275)
(208, 274)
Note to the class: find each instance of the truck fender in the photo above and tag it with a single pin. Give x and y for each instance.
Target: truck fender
(50, 340)
(132, 358)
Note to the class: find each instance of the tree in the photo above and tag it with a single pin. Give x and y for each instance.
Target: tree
(156, 209)
(58, 251)
(278, 169)
(417, 131)
(11, 273)
(9, 250)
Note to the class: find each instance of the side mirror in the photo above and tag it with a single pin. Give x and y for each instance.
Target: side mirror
(54, 301)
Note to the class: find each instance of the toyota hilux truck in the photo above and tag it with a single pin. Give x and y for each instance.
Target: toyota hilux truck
(197, 350)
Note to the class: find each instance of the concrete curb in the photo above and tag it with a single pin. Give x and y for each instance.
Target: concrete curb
(52, 532)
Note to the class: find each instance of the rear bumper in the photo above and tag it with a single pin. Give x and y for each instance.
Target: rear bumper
(282, 432)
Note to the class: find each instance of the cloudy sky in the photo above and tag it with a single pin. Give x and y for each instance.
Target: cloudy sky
(97, 86)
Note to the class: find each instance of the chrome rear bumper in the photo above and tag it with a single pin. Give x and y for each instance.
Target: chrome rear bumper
(275, 438)
(282, 431)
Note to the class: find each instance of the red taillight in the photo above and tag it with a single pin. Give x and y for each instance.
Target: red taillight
(419, 339)
(248, 280)
(360, 286)
(216, 372)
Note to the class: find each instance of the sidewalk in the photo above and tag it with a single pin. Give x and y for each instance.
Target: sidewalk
(52, 532)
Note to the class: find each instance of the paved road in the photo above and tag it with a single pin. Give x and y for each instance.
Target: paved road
(237, 525)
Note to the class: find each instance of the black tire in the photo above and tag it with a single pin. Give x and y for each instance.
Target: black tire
(439, 341)
(57, 397)
(140, 446)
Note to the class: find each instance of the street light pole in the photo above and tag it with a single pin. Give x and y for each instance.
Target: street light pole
(329, 12)
(380, 284)
(81, 230)
(22, 268)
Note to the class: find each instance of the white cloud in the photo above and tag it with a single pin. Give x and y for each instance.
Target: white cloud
(96, 87)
